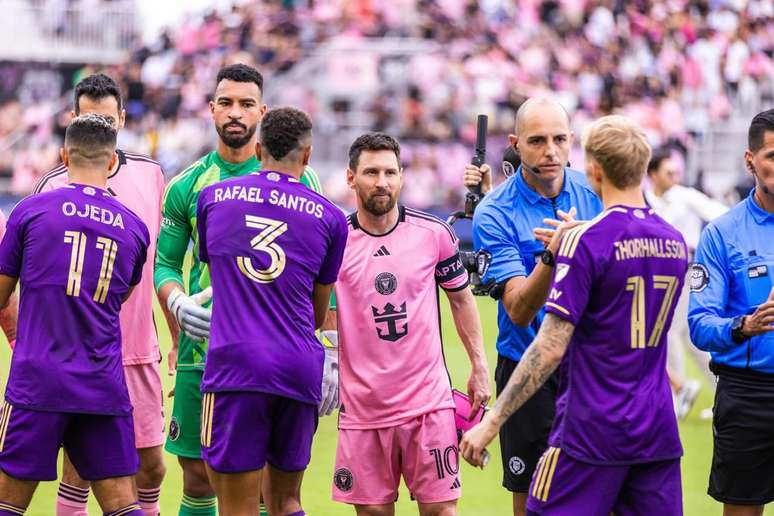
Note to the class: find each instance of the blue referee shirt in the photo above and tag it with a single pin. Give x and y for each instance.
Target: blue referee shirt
(503, 224)
(731, 276)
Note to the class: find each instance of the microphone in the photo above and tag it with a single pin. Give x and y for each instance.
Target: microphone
(473, 196)
(535, 170)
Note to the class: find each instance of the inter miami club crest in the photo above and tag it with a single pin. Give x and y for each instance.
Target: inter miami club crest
(385, 283)
(174, 429)
(390, 316)
(343, 479)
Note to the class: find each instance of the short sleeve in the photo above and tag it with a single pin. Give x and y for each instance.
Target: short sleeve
(491, 234)
(201, 225)
(449, 272)
(573, 278)
(12, 244)
(329, 269)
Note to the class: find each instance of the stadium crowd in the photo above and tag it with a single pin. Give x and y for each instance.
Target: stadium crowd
(675, 67)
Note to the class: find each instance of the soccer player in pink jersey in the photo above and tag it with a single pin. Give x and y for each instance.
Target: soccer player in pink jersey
(138, 183)
(397, 412)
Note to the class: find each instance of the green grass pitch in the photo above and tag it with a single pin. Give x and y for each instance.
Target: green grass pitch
(482, 492)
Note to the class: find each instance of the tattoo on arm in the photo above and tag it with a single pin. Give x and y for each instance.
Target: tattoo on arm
(538, 363)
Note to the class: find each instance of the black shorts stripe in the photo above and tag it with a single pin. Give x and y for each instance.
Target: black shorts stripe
(432, 218)
(58, 171)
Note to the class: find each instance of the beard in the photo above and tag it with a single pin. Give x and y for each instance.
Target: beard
(379, 206)
(236, 141)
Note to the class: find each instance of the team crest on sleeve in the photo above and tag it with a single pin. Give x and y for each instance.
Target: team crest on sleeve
(699, 278)
(385, 283)
(561, 271)
(174, 429)
(343, 479)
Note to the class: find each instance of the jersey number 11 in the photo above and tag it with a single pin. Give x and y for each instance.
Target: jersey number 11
(109, 249)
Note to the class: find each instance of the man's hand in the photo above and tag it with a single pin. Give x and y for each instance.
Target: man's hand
(475, 440)
(330, 382)
(478, 388)
(551, 238)
(760, 321)
(475, 175)
(192, 318)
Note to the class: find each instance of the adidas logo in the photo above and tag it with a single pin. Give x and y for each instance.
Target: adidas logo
(382, 252)
(456, 484)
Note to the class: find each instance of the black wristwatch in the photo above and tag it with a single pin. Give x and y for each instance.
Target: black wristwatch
(547, 258)
(737, 323)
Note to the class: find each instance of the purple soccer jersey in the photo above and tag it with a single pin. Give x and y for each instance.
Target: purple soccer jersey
(617, 279)
(76, 251)
(267, 239)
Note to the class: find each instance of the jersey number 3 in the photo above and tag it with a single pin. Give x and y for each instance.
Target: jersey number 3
(636, 284)
(109, 249)
(264, 242)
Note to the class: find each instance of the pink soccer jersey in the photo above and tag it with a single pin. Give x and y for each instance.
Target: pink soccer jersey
(138, 183)
(391, 356)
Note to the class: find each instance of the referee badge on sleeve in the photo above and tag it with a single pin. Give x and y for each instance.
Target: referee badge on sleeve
(699, 278)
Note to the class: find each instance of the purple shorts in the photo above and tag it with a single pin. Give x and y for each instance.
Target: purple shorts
(99, 446)
(563, 486)
(242, 431)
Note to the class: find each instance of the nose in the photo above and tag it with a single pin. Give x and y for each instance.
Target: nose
(381, 180)
(235, 111)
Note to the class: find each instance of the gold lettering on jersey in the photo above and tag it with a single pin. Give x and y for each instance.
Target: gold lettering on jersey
(555, 294)
(95, 213)
(239, 193)
(295, 203)
(649, 248)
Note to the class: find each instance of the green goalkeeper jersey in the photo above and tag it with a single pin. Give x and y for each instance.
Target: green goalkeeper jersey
(178, 227)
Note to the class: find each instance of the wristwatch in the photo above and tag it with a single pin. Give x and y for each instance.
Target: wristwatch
(547, 258)
(737, 323)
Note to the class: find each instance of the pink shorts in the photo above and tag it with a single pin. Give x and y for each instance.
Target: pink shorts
(147, 397)
(369, 463)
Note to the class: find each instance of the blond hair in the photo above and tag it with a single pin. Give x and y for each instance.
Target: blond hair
(619, 146)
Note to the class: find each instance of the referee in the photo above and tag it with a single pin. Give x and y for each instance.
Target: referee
(504, 225)
(730, 315)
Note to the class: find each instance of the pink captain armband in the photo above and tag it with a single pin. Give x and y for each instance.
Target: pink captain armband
(462, 406)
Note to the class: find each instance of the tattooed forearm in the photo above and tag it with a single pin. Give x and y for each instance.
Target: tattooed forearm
(8, 317)
(540, 360)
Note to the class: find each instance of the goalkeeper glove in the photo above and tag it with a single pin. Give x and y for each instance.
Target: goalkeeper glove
(192, 318)
(330, 382)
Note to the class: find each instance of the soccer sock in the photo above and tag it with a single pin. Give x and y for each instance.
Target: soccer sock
(262, 509)
(71, 500)
(149, 501)
(203, 506)
(129, 510)
(6, 509)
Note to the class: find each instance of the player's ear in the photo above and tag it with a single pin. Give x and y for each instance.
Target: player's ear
(513, 139)
(571, 138)
(264, 108)
(121, 119)
(212, 108)
(64, 156)
(350, 177)
(113, 161)
(307, 155)
(73, 114)
(748, 161)
(258, 151)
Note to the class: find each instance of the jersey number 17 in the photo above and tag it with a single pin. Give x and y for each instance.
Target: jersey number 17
(109, 249)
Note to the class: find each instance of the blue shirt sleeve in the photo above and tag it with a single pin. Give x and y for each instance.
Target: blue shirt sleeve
(709, 282)
(491, 234)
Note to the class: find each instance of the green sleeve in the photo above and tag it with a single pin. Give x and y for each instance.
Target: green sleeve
(174, 235)
(310, 179)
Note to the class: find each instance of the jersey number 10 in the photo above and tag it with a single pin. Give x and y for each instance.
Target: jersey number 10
(109, 249)
(636, 284)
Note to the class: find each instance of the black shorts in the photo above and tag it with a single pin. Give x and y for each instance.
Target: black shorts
(524, 436)
(743, 434)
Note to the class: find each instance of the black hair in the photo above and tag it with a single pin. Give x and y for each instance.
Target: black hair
(372, 142)
(283, 131)
(90, 139)
(761, 123)
(240, 73)
(657, 159)
(97, 87)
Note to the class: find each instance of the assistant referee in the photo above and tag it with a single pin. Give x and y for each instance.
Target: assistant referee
(730, 314)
